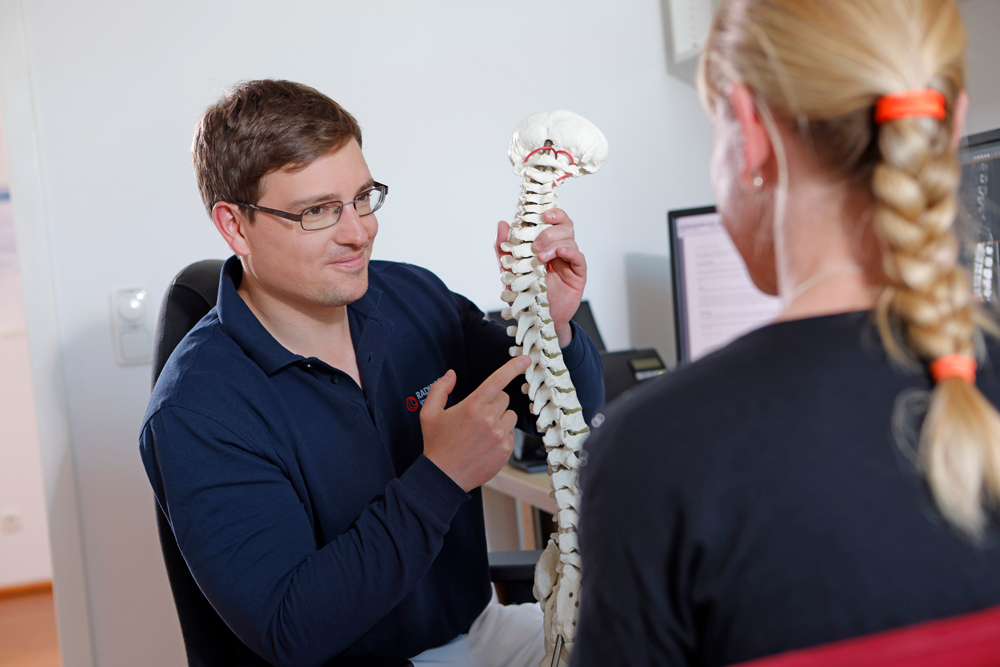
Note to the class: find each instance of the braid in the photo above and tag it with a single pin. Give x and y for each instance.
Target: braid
(926, 311)
(928, 296)
(821, 66)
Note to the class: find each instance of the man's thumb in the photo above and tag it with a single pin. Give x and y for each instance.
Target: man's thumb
(437, 395)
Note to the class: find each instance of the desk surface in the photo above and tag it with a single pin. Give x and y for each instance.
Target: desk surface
(530, 487)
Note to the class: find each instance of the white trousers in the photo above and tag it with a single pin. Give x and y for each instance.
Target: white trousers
(502, 636)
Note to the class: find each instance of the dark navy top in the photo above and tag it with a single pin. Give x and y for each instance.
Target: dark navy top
(303, 505)
(757, 501)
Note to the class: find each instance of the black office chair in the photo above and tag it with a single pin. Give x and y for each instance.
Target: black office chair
(208, 641)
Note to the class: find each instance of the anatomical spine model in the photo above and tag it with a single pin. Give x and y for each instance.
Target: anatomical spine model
(547, 148)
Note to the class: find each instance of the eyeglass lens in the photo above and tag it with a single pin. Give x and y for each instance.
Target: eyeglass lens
(328, 214)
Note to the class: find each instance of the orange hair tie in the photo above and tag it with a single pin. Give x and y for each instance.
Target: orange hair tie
(922, 102)
(954, 366)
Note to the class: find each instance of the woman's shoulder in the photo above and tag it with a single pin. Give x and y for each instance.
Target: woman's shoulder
(753, 380)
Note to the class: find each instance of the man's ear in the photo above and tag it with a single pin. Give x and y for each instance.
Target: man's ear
(756, 143)
(229, 220)
(958, 124)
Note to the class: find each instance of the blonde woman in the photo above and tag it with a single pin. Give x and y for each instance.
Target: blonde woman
(833, 474)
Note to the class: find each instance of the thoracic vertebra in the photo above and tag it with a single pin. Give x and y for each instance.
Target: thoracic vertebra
(547, 148)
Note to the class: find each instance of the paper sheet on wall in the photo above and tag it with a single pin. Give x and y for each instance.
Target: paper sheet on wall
(11, 308)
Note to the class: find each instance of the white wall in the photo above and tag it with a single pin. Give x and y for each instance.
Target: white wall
(4, 175)
(982, 20)
(24, 536)
(102, 97)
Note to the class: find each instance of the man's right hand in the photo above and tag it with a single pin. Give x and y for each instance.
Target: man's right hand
(472, 440)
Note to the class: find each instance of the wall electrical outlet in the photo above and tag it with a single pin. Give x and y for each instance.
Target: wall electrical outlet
(10, 522)
(131, 330)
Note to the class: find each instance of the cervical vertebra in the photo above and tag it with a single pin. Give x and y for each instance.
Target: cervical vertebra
(547, 148)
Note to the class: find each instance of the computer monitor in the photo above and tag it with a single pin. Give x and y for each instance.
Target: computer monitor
(979, 214)
(584, 317)
(623, 370)
(715, 300)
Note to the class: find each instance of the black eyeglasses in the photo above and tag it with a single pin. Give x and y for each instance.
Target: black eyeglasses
(327, 214)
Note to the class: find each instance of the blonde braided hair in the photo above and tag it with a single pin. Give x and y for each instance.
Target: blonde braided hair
(821, 66)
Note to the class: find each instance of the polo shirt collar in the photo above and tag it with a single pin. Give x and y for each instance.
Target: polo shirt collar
(240, 324)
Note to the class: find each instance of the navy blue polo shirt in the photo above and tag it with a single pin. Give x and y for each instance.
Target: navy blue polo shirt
(303, 505)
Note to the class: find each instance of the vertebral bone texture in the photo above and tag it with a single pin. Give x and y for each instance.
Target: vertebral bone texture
(547, 148)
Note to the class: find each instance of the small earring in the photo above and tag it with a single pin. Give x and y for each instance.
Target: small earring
(758, 180)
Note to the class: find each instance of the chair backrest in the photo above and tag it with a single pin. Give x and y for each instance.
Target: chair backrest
(208, 641)
(190, 296)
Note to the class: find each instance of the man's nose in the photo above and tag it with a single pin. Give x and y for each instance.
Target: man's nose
(351, 228)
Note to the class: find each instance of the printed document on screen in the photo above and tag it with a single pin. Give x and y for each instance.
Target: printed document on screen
(722, 301)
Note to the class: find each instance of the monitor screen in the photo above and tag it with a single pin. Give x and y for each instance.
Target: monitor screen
(715, 300)
(979, 212)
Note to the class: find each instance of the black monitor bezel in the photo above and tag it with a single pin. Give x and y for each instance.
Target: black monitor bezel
(972, 141)
(677, 278)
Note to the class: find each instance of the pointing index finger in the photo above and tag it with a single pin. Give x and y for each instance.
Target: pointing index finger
(502, 376)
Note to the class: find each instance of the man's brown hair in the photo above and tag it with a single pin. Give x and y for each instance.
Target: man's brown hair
(258, 127)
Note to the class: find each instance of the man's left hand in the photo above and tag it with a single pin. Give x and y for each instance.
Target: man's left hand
(567, 268)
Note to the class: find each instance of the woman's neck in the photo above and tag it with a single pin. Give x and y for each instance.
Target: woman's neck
(836, 289)
(825, 268)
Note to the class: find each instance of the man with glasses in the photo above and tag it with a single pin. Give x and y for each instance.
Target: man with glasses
(318, 440)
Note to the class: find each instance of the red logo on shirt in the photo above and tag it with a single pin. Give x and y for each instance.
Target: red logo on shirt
(414, 402)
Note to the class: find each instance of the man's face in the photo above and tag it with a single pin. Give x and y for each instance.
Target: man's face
(301, 269)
